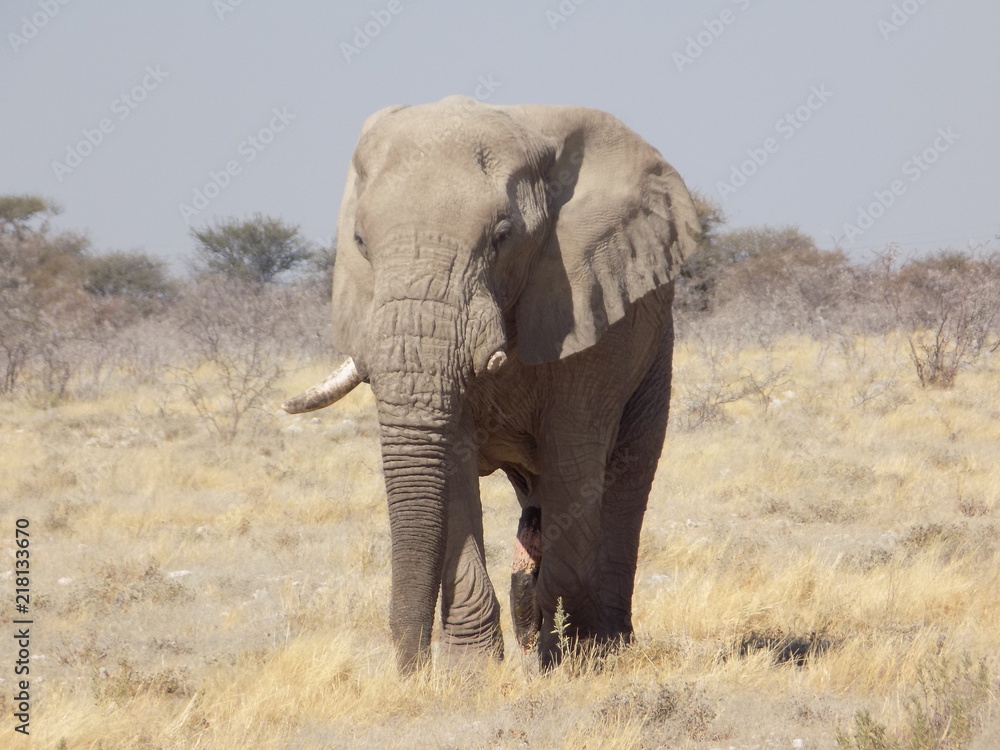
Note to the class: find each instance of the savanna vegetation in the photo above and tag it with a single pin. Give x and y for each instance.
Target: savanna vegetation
(819, 565)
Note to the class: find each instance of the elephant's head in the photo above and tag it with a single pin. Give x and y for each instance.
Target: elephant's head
(470, 234)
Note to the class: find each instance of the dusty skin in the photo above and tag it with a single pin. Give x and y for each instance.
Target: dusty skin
(193, 594)
(469, 232)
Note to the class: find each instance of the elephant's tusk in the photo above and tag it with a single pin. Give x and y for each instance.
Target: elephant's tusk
(341, 381)
(497, 361)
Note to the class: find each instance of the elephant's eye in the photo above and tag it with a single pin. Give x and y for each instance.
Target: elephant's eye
(501, 232)
(362, 248)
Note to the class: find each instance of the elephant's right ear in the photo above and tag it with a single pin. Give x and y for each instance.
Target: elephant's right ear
(353, 281)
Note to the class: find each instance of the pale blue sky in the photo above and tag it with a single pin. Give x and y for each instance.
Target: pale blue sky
(874, 83)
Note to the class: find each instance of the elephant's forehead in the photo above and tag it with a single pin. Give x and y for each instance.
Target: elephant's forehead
(464, 135)
(462, 177)
(433, 193)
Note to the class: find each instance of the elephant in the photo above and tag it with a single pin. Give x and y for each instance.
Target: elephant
(503, 281)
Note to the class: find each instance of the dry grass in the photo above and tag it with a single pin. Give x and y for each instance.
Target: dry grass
(823, 545)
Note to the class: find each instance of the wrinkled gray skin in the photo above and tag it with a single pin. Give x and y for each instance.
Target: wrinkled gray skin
(503, 280)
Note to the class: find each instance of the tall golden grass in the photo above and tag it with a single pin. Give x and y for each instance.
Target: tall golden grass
(821, 550)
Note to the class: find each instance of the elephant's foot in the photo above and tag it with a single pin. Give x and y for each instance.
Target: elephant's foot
(470, 642)
(462, 653)
(524, 608)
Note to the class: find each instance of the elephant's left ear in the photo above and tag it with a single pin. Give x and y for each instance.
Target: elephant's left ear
(623, 224)
(353, 280)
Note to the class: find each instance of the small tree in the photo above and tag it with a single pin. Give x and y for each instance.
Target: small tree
(255, 250)
(41, 317)
(324, 257)
(954, 312)
(778, 267)
(696, 284)
(134, 275)
(18, 211)
(321, 268)
(710, 216)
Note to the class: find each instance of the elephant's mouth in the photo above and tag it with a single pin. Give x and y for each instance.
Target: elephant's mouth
(346, 378)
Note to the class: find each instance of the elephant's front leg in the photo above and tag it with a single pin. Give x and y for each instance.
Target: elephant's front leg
(629, 478)
(569, 576)
(470, 612)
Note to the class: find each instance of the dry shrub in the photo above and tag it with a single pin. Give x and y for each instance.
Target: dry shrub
(665, 712)
(76, 325)
(755, 285)
(232, 361)
(719, 378)
(765, 281)
(237, 337)
(127, 683)
(950, 304)
(58, 339)
(946, 712)
(120, 586)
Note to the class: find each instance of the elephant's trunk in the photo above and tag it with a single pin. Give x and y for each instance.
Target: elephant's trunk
(417, 378)
(416, 465)
(434, 327)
